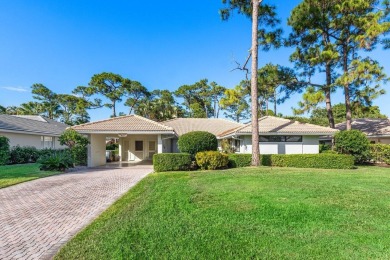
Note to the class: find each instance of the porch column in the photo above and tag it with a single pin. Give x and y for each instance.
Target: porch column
(120, 143)
(96, 150)
(159, 144)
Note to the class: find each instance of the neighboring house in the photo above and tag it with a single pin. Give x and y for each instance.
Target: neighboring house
(377, 130)
(140, 138)
(35, 131)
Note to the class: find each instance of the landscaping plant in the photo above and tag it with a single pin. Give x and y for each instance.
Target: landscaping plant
(77, 144)
(58, 161)
(197, 141)
(212, 160)
(380, 153)
(355, 143)
(26, 154)
(4, 150)
(164, 162)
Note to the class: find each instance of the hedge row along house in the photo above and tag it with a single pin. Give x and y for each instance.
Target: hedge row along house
(140, 138)
(34, 131)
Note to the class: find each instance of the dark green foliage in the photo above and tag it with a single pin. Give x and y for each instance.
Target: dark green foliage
(212, 160)
(4, 150)
(58, 161)
(26, 154)
(163, 162)
(80, 155)
(320, 161)
(353, 142)
(237, 160)
(197, 141)
(325, 147)
(380, 153)
(77, 144)
(112, 147)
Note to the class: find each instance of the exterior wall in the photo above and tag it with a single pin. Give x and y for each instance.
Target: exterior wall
(309, 145)
(29, 140)
(382, 140)
(129, 153)
(96, 150)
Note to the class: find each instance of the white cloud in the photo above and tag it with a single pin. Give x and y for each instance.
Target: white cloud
(17, 89)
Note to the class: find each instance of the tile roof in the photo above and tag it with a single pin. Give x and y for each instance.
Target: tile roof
(275, 125)
(31, 124)
(369, 126)
(130, 123)
(212, 125)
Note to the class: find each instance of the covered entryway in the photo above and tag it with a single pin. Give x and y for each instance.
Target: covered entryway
(139, 138)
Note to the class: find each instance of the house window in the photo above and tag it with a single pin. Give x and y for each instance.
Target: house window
(139, 146)
(280, 139)
(47, 142)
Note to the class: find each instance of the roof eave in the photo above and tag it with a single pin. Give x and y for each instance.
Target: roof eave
(124, 132)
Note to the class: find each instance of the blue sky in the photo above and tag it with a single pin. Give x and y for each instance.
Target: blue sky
(162, 44)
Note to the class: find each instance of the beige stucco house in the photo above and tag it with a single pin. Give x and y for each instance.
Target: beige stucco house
(140, 138)
(36, 131)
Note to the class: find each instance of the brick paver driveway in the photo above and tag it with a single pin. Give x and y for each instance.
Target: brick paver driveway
(38, 217)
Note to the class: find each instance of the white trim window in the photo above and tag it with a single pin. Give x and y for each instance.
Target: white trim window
(47, 142)
(280, 139)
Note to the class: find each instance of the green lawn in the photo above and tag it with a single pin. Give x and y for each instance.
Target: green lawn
(13, 174)
(268, 213)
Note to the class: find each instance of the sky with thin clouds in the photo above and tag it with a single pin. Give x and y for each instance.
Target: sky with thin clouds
(162, 44)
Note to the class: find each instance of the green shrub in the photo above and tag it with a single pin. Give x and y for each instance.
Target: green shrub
(197, 141)
(238, 160)
(320, 161)
(355, 143)
(77, 144)
(212, 160)
(57, 161)
(4, 150)
(164, 162)
(112, 147)
(80, 155)
(325, 148)
(26, 154)
(380, 153)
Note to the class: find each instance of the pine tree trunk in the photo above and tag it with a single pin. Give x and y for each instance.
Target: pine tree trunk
(254, 95)
(113, 109)
(275, 103)
(329, 109)
(348, 114)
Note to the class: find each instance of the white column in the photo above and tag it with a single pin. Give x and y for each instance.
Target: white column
(120, 148)
(159, 144)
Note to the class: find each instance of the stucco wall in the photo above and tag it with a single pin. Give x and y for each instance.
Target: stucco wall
(309, 145)
(29, 140)
(383, 140)
(96, 150)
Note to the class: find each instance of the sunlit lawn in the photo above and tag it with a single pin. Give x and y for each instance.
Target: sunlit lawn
(248, 213)
(13, 174)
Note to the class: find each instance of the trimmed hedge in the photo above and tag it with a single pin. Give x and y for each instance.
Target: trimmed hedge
(26, 154)
(238, 160)
(321, 161)
(212, 160)
(164, 162)
(380, 153)
(4, 150)
(197, 141)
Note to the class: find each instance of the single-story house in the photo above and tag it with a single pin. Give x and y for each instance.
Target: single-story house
(36, 131)
(140, 138)
(376, 130)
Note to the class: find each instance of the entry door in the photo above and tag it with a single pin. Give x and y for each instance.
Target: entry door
(151, 149)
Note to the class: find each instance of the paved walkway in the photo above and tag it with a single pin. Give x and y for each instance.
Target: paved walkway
(38, 217)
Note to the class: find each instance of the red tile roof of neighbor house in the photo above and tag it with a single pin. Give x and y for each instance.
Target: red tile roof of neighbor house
(131, 123)
(369, 126)
(270, 125)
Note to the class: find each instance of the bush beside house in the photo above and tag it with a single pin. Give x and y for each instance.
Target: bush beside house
(4, 150)
(197, 141)
(212, 160)
(164, 162)
(355, 143)
(323, 161)
(380, 153)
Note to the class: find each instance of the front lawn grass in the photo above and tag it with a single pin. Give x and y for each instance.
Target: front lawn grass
(247, 213)
(13, 174)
